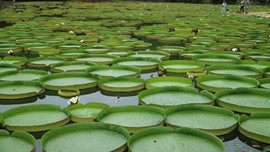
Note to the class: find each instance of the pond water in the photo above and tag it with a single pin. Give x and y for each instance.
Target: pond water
(234, 144)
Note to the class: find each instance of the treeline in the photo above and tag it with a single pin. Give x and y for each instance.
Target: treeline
(206, 1)
(258, 2)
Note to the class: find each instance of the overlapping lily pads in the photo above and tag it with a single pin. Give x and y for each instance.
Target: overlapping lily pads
(20, 89)
(256, 126)
(69, 81)
(34, 118)
(121, 84)
(215, 83)
(202, 117)
(171, 96)
(87, 112)
(16, 141)
(168, 81)
(114, 71)
(160, 139)
(133, 118)
(244, 100)
(265, 83)
(83, 137)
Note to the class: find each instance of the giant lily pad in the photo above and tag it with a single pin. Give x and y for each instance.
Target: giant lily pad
(121, 84)
(91, 137)
(245, 100)
(69, 81)
(16, 141)
(234, 69)
(145, 64)
(74, 66)
(172, 50)
(160, 139)
(172, 96)
(259, 64)
(133, 118)
(20, 89)
(34, 118)
(202, 117)
(6, 67)
(87, 112)
(168, 81)
(150, 54)
(42, 62)
(258, 56)
(176, 67)
(23, 75)
(114, 71)
(14, 60)
(215, 83)
(213, 59)
(256, 126)
(71, 54)
(98, 58)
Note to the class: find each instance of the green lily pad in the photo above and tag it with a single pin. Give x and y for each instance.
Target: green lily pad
(87, 112)
(258, 56)
(213, 59)
(23, 75)
(73, 66)
(172, 96)
(150, 54)
(259, 64)
(176, 67)
(245, 100)
(145, 64)
(133, 118)
(16, 141)
(114, 71)
(71, 54)
(6, 67)
(20, 89)
(98, 58)
(120, 53)
(121, 84)
(168, 81)
(42, 62)
(14, 60)
(70, 80)
(234, 69)
(256, 126)
(160, 139)
(91, 136)
(202, 117)
(172, 50)
(34, 118)
(215, 83)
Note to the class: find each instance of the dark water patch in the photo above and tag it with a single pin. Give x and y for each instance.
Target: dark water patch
(4, 24)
